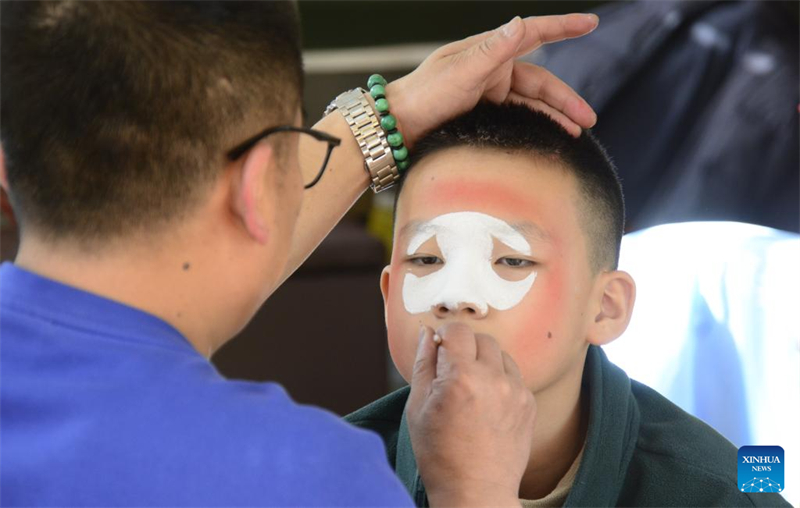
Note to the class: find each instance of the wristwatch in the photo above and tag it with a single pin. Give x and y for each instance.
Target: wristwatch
(371, 138)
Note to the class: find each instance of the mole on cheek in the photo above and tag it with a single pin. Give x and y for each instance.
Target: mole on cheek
(186, 266)
(549, 335)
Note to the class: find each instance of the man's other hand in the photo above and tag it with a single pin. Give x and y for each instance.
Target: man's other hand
(470, 417)
(455, 77)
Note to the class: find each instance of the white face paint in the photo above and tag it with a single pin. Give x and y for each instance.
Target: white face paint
(466, 241)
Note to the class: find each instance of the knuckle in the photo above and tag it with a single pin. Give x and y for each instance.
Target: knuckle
(463, 383)
(485, 47)
(456, 59)
(419, 364)
(538, 33)
(530, 403)
(506, 390)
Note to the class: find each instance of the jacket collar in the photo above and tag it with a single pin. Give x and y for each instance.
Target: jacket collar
(611, 435)
(406, 465)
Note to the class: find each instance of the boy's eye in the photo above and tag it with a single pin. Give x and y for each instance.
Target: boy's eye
(515, 262)
(426, 260)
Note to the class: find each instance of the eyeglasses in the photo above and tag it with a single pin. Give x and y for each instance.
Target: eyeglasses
(310, 176)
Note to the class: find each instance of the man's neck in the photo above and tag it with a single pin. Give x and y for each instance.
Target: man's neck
(138, 274)
(559, 436)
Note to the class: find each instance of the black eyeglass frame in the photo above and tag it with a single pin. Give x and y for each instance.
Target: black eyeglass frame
(240, 149)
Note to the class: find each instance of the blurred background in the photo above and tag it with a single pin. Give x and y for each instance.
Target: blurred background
(698, 105)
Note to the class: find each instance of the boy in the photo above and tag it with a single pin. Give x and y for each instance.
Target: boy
(512, 227)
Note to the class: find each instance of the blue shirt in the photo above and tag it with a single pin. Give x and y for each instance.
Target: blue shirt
(105, 405)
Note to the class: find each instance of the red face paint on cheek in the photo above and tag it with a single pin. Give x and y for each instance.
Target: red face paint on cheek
(540, 313)
(544, 313)
(402, 328)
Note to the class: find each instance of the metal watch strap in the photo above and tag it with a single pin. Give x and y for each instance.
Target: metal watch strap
(371, 138)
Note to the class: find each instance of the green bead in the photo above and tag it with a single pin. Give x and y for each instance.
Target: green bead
(382, 105)
(395, 139)
(400, 154)
(375, 79)
(377, 92)
(389, 123)
(403, 165)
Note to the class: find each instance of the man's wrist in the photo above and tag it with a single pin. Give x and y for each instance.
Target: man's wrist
(399, 110)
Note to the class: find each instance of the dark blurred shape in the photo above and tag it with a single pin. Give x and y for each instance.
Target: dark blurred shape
(697, 105)
(322, 334)
(404, 22)
(9, 241)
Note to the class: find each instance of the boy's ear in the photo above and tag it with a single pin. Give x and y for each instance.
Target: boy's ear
(615, 293)
(385, 280)
(249, 200)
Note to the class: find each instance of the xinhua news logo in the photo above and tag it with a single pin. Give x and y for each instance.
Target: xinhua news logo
(761, 469)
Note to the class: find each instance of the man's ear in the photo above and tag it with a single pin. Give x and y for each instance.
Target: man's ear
(249, 190)
(615, 293)
(3, 175)
(385, 280)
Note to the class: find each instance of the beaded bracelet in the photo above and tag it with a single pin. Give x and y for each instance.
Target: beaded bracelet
(377, 89)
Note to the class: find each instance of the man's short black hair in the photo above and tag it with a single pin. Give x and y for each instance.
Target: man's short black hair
(116, 115)
(517, 128)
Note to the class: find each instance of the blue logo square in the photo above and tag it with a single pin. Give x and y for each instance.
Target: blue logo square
(761, 469)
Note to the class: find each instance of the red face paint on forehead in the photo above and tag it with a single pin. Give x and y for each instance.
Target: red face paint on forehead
(510, 187)
(488, 193)
(500, 199)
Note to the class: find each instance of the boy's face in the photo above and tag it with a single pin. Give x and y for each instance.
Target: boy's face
(491, 239)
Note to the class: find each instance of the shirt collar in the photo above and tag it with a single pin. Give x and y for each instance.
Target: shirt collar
(26, 292)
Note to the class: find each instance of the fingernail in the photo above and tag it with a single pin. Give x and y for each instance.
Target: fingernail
(512, 27)
(437, 338)
(594, 17)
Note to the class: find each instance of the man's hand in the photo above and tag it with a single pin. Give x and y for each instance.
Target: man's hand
(470, 417)
(455, 77)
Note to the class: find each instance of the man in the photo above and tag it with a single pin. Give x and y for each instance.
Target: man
(157, 215)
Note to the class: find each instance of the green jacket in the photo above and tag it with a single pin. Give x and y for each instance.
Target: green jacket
(641, 450)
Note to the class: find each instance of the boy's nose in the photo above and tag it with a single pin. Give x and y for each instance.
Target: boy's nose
(463, 309)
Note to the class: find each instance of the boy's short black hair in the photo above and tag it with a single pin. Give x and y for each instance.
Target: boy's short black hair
(116, 115)
(516, 127)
